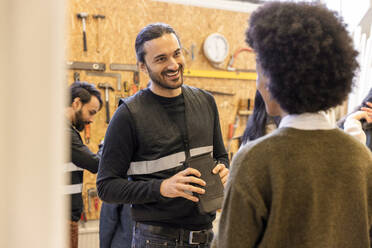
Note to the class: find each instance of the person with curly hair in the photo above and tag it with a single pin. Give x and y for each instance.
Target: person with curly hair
(307, 184)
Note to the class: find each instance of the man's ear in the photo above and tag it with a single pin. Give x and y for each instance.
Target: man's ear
(142, 67)
(77, 104)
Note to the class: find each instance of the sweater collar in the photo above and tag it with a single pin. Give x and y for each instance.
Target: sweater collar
(308, 121)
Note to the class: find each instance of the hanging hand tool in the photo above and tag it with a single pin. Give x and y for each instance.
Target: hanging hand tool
(83, 218)
(128, 67)
(232, 128)
(90, 66)
(98, 18)
(106, 87)
(76, 77)
(107, 74)
(83, 16)
(92, 195)
(87, 133)
(123, 67)
(134, 89)
(126, 87)
(96, 203)
(136, 82)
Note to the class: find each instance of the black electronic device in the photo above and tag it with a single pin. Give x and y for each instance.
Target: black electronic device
(212, 199)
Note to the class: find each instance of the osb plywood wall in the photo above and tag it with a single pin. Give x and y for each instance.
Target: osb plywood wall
(116, 34)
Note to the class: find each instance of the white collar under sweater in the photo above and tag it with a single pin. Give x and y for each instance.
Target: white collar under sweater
(308, 121)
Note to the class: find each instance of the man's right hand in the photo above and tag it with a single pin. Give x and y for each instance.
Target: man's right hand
(179, 184)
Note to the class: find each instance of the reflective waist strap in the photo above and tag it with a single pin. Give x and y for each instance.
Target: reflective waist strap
(164, 163)
(71, 167)
(201, 150)
(72, 189)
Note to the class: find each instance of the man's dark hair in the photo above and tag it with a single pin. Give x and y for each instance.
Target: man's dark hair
(150, 32)
(84, 91)
(306, 53)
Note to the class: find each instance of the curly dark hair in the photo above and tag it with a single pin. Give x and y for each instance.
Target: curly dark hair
(306, 52)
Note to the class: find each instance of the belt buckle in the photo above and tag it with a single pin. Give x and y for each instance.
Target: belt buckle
(191, 237)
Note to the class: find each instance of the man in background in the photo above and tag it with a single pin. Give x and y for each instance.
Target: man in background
(85, 102)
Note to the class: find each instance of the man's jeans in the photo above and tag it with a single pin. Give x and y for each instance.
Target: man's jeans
(148, 236)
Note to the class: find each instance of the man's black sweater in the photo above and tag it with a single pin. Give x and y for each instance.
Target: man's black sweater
(120, 145)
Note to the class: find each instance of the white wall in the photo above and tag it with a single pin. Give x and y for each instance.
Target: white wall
(351, 11)
(353, 14)
(32, 210)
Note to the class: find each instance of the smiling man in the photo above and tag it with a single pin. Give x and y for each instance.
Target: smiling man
(148, 140)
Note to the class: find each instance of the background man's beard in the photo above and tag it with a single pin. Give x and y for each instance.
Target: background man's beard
(79, 122)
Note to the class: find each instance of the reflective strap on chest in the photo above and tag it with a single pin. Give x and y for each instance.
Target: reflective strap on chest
(164, 163)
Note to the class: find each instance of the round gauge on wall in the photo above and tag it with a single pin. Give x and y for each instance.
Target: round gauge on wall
(216, 48)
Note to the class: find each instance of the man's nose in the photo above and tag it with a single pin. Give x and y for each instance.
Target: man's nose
(173, 64)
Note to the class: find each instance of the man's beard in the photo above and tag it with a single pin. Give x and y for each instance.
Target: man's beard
(159, 81)
(79, 123)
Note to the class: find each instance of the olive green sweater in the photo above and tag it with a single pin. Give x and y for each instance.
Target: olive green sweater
(297, 189)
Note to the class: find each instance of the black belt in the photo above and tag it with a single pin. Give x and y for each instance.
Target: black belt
(192, 237)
